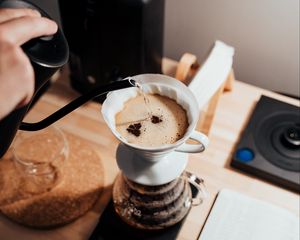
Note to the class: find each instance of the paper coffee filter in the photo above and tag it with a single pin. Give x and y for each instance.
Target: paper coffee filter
(156, 84)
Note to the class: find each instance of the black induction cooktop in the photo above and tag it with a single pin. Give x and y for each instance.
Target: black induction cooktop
(269, 146)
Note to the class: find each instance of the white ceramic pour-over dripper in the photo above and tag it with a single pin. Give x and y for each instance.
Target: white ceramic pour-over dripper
(148, 165)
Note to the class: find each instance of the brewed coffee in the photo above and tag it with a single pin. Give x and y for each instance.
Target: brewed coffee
(165, 123)
(151, 207)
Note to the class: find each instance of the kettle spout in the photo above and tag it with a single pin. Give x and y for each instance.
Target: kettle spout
(10, 124)
(126, 83)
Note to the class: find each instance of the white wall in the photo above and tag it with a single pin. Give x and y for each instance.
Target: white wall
(265, 34)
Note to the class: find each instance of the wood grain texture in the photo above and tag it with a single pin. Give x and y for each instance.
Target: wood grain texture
(231, 116)
(186, 68)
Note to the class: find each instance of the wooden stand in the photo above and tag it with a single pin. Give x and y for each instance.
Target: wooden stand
(186, 69)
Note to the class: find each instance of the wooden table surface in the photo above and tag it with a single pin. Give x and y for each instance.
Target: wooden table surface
(86, 122)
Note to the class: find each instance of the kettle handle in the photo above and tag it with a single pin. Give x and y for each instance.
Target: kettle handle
(128, 82)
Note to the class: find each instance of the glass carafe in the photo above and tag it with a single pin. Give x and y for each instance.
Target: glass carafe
(156, 207)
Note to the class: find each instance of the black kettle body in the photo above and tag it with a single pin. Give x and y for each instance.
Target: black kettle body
(47, 55)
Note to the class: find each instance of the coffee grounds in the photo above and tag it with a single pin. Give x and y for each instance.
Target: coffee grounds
(135, 129)
(155, 119)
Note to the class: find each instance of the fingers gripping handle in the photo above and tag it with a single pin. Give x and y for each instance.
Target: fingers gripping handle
(202, 140)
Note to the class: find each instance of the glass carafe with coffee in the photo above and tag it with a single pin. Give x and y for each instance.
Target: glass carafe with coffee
(153, 123)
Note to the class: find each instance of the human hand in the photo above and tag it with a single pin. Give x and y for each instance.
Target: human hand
(17, 26)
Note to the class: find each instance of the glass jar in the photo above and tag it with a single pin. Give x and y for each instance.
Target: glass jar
(39, 156)
(156, 207)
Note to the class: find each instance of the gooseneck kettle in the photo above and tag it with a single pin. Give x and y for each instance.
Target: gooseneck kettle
(47, 55)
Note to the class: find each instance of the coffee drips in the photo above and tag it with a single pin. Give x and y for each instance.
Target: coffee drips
(156, 119)
(134, 129)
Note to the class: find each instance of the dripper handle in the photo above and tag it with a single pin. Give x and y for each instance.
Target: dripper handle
(128, 82)
(199, 184)
(202, 140)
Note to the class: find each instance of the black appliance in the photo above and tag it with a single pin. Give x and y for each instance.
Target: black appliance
(270, 145)
(46, 55)
(112, 39)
